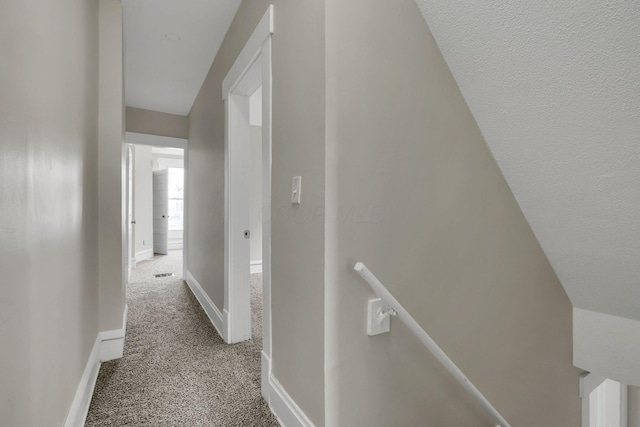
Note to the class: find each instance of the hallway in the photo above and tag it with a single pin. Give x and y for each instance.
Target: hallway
(176, 370)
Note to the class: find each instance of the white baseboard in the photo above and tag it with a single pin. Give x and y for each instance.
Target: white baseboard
(82, 399)
(144, 255)
(281, 404)
(256, 267)
(265, 375)
(208, 306)
(107, 346)
(112, 342)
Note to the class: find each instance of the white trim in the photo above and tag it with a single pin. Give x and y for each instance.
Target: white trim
(226, 323)
(256, 267)
(588, 383)
(129, 208)
(249, 52)
(144, 255)
(111, 348)
(237, 219)
(155, 140)
(107, 346)
(185, 216)
(207, 305)
(82, 399)
(255, 55)
(266, 374)
(124, 317)
(112, 342)
(284, 407)
(267, 90)
(280, 403)
(604, 401)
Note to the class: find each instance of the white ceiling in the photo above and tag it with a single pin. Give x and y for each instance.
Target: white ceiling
(169, 48)
(555, 89)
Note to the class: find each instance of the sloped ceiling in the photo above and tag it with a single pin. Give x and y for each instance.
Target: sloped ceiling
(555, 89)
(169, 48)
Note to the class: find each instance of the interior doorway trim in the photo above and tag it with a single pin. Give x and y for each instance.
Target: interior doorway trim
(253, 64)
(155, 140)
(132, 139)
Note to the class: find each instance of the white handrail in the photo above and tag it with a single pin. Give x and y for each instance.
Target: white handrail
(428, 342)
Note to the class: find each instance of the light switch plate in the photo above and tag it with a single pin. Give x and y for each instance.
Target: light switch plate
(374, 327)
(296, 187)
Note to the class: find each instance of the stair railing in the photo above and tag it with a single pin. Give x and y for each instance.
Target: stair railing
(428, 342)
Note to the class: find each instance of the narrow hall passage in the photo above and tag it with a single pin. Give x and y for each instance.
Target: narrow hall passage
(176, 370)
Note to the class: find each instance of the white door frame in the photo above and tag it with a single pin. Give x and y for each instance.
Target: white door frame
(134, 138)
(254, 57)
(604, 401)
(131, 230)
(160, 184)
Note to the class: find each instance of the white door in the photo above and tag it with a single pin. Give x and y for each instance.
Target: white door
(131, 231)
(161, 211)
(239, 220)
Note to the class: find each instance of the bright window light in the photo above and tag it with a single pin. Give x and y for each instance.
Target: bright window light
(176, 198)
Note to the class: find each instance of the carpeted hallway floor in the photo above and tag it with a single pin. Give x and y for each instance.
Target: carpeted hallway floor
(176, 370)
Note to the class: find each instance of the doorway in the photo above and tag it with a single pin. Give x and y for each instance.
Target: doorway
(247, 95)
(157, 204)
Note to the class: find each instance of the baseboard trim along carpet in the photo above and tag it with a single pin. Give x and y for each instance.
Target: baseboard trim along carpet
(144, 255)
(284, 407)
(281, 404)
(82, 399)
(265, 374)
(108, 345)
(112, 342)
(208, 306)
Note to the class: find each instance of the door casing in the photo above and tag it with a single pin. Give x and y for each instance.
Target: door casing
(251, 69)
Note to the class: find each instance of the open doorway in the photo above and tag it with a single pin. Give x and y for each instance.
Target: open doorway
(255, 212)
(156, 207)
(247, 94)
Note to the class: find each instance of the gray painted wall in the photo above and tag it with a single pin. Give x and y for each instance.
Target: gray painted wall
(413, 191)
(633, 418)
(298, 149)
(112, 248)
(297, 264)
(156, 123)
(48, 205)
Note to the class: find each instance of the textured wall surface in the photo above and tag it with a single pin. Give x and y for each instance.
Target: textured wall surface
(554, 89)
(48, 205)
(413, 191)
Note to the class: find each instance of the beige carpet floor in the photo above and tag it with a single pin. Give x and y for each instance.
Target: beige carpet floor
(176, 370)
